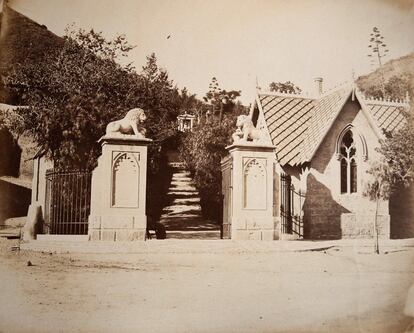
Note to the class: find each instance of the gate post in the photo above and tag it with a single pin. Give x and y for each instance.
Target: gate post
(118, 195)
(251, 187)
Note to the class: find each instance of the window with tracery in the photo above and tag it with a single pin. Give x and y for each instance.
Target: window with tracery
(348, 163)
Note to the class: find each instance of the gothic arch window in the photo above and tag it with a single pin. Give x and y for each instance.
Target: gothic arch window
(348, 163)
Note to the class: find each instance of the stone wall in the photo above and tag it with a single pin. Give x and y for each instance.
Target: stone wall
(363, 225)
(116, 228)
(254, 228)
(322, 213)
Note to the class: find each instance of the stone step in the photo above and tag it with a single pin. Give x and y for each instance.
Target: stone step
(10, 231)
(190, 200)
(182, 218)
(182, 208)
(186, 187)
(207, 234)
(188, 223)
(182, 193)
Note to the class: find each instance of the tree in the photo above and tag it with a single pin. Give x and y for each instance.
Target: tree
(398, 152)
(80, 87)
(287, 87)
(376, 189)
(378, 50)
(222, 101)
(202, 151)
(393, 170)
(73, 94)
(395, 88)
(12, 121)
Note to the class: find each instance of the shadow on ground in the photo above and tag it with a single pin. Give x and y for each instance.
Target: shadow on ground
(182, 218)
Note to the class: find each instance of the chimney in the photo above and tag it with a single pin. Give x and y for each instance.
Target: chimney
(319, 85)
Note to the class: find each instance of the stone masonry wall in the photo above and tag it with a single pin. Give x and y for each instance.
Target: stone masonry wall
(255, 228)
(363, 225)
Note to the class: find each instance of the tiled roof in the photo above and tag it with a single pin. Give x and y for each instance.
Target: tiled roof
(297, 124)
(287, 119)
(387, 115)
(326, 110)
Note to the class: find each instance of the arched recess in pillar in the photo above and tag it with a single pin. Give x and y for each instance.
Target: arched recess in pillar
(254, 184)
(125, 181)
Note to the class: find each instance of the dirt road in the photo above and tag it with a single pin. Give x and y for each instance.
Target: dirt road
(337, 290)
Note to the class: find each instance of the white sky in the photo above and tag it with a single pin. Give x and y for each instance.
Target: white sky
(236, 41)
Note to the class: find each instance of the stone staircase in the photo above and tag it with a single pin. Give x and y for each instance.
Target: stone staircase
(182, 218)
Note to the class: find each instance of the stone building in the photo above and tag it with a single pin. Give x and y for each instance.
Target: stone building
(323, 148)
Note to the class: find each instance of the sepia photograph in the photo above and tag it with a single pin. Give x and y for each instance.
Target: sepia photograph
(220, 166)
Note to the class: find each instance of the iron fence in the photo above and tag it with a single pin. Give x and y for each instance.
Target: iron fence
(68, 201)
(285, 204)
(291, 208)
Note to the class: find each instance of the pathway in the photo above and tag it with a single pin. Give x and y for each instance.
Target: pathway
(182, 218)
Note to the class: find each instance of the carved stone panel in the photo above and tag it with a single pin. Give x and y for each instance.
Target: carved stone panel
(254, 184)
(125, 180)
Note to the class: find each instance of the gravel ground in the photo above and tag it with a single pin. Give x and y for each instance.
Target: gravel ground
(340, 289)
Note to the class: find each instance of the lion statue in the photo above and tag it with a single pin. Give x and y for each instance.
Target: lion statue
(246, 130)
(130, 124)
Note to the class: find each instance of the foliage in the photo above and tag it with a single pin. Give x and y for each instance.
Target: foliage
(191, 105)
(161, 99)
(202, 151)
(377, 45)
(12, 121)
(379, 185)
(73, 94)
(394, 168)
(287, 87)
(398, 152)
(221, 101)
(379, 50)
(395, 88)
(79, 88)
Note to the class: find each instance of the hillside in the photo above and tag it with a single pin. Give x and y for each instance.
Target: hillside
(22, 38)
(401, 67)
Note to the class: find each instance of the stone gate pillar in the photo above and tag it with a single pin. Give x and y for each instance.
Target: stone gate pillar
(250, 201)
(118, 195)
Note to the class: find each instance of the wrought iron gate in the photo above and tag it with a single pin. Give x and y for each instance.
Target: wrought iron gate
(227, 188)
(291, 207)
(68, 201)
